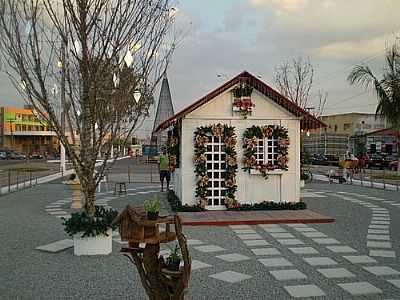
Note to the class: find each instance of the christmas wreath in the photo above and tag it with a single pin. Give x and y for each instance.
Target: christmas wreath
(201, 137)
(250, 137)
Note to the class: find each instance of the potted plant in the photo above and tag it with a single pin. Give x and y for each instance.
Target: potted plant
(92, 236)
(152, 207)
(173, 259)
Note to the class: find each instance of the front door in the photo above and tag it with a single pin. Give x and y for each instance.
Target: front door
(216, 171)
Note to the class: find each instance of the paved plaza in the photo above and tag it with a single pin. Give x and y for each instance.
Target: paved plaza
(357, 257)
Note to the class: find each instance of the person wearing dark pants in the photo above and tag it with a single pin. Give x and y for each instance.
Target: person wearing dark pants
(163, 165)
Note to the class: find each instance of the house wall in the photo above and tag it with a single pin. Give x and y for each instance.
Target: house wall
(251, 188)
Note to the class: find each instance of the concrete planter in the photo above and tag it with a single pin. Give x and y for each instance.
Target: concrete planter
(302, 183)
(98, 245)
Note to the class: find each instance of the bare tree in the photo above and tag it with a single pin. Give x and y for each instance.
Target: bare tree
(102, 54)
(321, 101)
(294, 80)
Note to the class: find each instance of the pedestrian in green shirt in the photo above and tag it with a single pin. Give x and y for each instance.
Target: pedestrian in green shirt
(163, 165)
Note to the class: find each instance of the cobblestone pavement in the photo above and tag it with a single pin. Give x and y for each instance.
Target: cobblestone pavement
(357, 257)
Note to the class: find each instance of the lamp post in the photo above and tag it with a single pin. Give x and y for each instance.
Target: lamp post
(61, 64)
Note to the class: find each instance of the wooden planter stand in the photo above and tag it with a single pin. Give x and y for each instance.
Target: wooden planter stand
(159, 282)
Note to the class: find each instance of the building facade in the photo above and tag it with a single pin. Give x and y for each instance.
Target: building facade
(343, 132)
(239, 143)
(383, 142)
(22, 131)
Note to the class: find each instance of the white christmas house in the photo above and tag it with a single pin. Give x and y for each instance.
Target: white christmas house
(238, 144)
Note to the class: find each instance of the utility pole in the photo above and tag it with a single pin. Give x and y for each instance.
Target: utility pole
(63, 67)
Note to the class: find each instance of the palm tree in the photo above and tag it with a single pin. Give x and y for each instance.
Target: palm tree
(387, 89)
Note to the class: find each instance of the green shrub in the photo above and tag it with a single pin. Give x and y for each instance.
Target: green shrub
(176, 204)
(152, 205)
(81, 222)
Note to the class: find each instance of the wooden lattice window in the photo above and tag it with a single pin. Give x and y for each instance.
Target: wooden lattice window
(266, 150)
(216, 171)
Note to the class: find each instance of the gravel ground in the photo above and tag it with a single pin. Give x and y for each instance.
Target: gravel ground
(27, 273)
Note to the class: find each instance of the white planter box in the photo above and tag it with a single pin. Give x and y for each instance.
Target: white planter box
(302, 183)
(98, 245)
(257, 172)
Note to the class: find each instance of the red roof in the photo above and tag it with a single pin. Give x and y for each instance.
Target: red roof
(385, 132)
(308, 121)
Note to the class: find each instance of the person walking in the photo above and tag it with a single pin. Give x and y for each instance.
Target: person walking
(163, 166)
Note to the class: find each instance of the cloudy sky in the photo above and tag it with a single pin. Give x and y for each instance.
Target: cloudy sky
(229, 36)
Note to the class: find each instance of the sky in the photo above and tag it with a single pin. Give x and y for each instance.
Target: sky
(229, 36)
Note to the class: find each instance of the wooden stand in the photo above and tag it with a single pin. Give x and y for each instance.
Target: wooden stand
(159, 282)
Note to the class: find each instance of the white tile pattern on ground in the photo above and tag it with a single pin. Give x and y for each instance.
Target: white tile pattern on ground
(395, 282)
(275, 262)
(282, 235)
(256, 243)
(57, 246)
(266, 251)
(244, 231)
(360, 288)
(290, 242)
(373, 244)
(305, 229)
(336, 273)
(274, 229)
(360, 259)
(230, 276)
(292, 274)
(302, 291)
(341, 249)
(381, 270)
(240, 226)
(303, 250)
(382, 253)
(320, 261)
(249, 236)
(194, 242)
(314, 234)
(233, 257)
(196, 264)
(209, 248)
(378, 237)
(326, 241)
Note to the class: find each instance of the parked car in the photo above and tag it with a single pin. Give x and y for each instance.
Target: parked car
(393, 165)
(331, 160)
(376, 161)
(17, 155)
(36, 156)
(3, 155)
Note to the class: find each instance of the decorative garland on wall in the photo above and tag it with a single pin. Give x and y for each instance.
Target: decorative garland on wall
(242, 100)
(201, 138)
(250, 137)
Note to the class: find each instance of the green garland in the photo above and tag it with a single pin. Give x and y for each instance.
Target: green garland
(201, 138)
(173, 147)
(250, 137)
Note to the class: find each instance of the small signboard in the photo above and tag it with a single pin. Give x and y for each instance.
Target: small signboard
(149, 150)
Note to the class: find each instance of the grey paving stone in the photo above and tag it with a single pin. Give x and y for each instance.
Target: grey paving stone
(377, 231)
(196, 265)
(320, 261)
(209, 248)
(52, 206)
(304, 250)
(360, 259)
(282, 235)
(296, 225)
(341, 249)
(382, 253)
(360, 288)
(230, 276)
(269, 225)
(326, 241)
(379, 237)
(395, 282)
(233, 257)
(288, 274)
(256, 243)
(288, 242)
(266, 251)
(336, 273)
(302, 291)
(305, 229)
(57, 246)
(240, 226)
(379, 226)
(314, 234)
(55, 213)
(381, 270)
(244, 231)
(194, 242)
(372, 244)
(275, 229)
(275, 262)
(380, 218)
(53, 209)
(380, 222)
(67, 216)
(249, 236)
